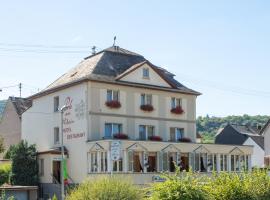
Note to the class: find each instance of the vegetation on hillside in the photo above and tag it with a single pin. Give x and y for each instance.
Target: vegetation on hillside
(209, 126)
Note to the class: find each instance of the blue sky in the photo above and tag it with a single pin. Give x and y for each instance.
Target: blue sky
(220, 48)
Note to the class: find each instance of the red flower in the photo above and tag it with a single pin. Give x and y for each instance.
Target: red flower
(113, 104)
(155, 138)
(147, 107)
(120, 136)
(177, 110)
(185, 139)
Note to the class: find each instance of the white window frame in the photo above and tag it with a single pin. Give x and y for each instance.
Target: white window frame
(112, 125)
(176, 102)
(56, 103)
(145, 73)
(146, 99)
(175, 133)
(55, 133)
(147, 127)
(113, 95)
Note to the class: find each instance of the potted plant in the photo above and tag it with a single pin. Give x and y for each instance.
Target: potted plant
(121, 136)
(177, 110)
(147, 107)
(155, 138)
(113, 104)
(185, 139)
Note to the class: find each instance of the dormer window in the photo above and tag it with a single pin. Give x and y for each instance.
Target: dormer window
(145, 73)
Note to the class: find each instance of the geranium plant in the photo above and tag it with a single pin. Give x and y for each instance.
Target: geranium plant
(147, 107)
(113, 104)
(177, 110)
(120, 136)
(155, 138)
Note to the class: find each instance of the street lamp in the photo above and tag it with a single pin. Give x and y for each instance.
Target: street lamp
(62, 110)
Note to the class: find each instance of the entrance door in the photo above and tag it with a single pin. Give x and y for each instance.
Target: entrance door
(184, 162)
(56, 172)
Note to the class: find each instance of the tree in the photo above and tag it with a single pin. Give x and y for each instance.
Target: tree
(9, 152)
(2, 148)
(24, 165)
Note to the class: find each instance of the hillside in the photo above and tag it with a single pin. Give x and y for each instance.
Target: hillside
(208, 126)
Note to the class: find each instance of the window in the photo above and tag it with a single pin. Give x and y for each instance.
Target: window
(145, 73)
(41, 167)
(112, 95)
(112, 129)
(97, 161)
(176, 134)
(223, 162)
(56, 135)
(93, 162)
(146, 99)
(56, 104)
(176, 102)
(145, 132)
(118, 165)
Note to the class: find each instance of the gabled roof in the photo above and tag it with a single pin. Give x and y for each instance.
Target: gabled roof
(20, 105)
(244, 132)
(264, 127)
(107, 65)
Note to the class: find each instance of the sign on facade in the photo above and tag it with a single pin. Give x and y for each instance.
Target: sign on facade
(115, 150)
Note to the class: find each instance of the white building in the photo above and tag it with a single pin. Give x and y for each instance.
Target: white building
(118, 95)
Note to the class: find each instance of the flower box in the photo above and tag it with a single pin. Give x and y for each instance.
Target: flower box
(185, 139)
(177, 110)
(147, 108)
(113, 104)
(155, 138)
(120, 136)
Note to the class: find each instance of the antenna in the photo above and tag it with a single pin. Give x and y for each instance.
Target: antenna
(20, 88)
(114, 39)
(94, 50)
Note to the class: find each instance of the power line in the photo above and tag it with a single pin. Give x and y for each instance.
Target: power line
(42, 46)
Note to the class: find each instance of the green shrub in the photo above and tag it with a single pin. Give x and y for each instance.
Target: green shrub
(106, 188)
(5, 171)
(223, 186)
(186, 186)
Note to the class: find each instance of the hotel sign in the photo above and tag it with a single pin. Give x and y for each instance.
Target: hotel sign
(115, 150)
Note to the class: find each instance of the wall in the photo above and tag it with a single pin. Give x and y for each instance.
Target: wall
(131, 115)
(136, 76)
(10, 126)
(38, 124)
(267, 141)
(257, 158)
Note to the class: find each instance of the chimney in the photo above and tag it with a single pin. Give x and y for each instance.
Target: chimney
(93, 50)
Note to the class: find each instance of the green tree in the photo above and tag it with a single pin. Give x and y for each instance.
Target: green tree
(9, 152)
(24, 165)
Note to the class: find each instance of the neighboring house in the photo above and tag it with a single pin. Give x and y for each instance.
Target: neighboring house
(198, 138)
(243, 135)
(10, 119)
(265, 131)
(117, 98)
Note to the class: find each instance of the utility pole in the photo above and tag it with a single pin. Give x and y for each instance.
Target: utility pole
(20, 88)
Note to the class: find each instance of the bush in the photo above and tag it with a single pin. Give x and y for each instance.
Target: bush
(5, 170)
(24, 165)
(184, 187)
(224, 186)
(106, 188)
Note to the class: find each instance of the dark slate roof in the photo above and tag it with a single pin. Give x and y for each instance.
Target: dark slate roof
(244, 132)
(20, 104)
(244, 129)
(259, 140)
(107, 65)
(265, 127)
